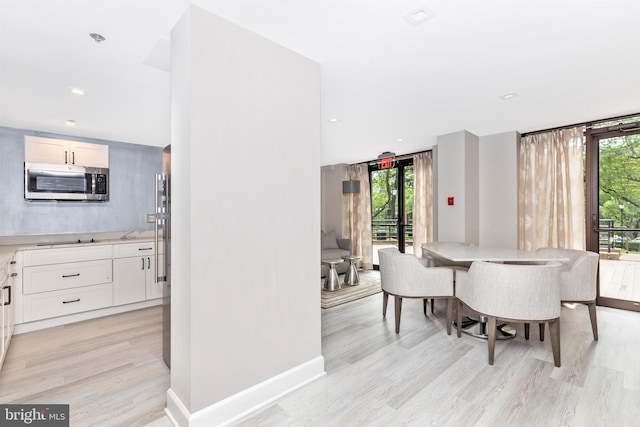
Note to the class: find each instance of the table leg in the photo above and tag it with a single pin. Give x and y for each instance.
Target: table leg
(478, 328)
(331, 282)
(351, 277)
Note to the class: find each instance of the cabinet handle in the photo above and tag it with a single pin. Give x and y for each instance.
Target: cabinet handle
(64, 276)
(142, 259)
(144, 249)
(65, 157)
(12, 262)
(70, 301)
(148, 263)
(8, 287)
(73, 157)
(14, 274)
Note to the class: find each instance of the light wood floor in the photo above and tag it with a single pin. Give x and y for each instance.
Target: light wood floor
(620, 278)
(424, 377)
(111, 372)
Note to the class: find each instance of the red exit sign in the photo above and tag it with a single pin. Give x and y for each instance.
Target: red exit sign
(386, 163)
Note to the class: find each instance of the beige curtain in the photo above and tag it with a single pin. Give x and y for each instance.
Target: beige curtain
(422, 201)
(551, 190)
(358, 227)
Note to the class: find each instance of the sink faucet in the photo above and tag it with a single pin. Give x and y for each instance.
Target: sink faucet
(125, 236)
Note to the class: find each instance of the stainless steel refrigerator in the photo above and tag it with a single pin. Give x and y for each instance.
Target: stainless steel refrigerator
(163, 248)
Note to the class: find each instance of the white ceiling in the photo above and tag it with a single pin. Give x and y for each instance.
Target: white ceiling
(569, 61)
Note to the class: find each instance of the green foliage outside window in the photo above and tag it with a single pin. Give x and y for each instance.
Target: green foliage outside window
(620, 180)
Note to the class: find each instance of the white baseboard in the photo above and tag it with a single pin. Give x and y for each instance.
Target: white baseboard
(86, 315)
(233, 408)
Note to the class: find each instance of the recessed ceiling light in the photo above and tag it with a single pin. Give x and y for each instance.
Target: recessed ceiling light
(399, 139)
(334, 120)
(508, 96)
(418, 16)
(70, 123)
(78, 91)
(97, 37)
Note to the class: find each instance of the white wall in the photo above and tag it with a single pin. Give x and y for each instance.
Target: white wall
(246, 215)
(499, 190)
(332, 198)
(472, 188)
(457, 177)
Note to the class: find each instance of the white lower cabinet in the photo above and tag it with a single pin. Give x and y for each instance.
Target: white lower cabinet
(44, 278)
(134, 276)
(7, 303)
(5, 319)
(129, 280)
(67, 280)
(45, 305)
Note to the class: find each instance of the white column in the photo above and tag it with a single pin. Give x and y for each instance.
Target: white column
(246, 215)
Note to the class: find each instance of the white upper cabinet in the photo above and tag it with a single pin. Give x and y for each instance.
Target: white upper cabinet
(59, 151)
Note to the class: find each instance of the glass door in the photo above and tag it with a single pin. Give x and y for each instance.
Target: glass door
(392, 207)
(613, 206)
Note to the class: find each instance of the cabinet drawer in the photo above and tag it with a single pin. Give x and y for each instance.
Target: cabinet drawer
(46, 278)
(61, 255)
(133, 249)
(69, 301)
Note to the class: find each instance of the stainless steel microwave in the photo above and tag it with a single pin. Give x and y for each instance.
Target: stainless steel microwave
(43, 181)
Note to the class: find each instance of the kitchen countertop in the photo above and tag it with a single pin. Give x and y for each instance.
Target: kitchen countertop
(7, 251)
(73, 244)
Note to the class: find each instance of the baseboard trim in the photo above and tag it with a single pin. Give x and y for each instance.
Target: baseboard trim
(233, 408)
(85, 315)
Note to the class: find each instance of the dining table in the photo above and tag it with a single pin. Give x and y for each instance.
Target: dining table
(463, 253)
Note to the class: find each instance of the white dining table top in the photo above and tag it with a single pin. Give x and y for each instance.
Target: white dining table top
(461, 253)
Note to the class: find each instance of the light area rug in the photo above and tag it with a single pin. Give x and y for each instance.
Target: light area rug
(369, 285)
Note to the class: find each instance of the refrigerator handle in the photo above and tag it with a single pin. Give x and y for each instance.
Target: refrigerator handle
(155, 231)
(160, 222)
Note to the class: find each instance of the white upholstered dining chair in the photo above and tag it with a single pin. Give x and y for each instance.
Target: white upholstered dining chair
(512, 293)
(404, 276)
(430, 260)
(578, 281)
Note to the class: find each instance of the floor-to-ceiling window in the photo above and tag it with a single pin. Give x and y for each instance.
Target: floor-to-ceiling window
(613, 209)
